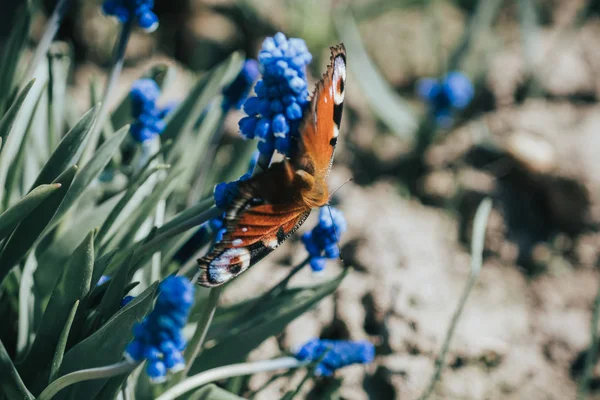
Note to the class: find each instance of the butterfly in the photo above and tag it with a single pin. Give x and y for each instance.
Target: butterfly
(271, 205)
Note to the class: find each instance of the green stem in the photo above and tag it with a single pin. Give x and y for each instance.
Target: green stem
(229, 371)
(590, 357)
(195, 345)
(51, 28)
(86, 375)
(477, 245)
(111, 84)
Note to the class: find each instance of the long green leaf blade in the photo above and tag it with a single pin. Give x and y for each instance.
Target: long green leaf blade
(30, 228)
(62, 343)
(389, 106)
(90, 171)
(69, 149)
(15, 214)
(212, 392)
(10, 381)
(73, 285)
(12, 55)
(260, 326)
(185, 116)
(107, 344)
(8, 119)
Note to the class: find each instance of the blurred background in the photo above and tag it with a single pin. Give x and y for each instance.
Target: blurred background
(529, 138)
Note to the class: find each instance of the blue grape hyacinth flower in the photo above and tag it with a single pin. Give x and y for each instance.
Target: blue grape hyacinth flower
(159, 338)
(237, 92)
(274, 114)
(148, 117)
(454, 92)
(338, 354)
(322, 241)
(140, 10)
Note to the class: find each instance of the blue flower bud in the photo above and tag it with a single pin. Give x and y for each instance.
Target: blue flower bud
(322, 241)
(293, 111)
(103, 279)
(454, 92)
(157, 371)
(141, 10)
(126, 300)
(335, 354)
(262, 128)
(148, 118)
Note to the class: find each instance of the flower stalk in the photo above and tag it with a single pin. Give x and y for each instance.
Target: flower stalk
(48, 36)
(111, 84)
(477, 245)
(195, 345)
(107, 371)
(230, 371)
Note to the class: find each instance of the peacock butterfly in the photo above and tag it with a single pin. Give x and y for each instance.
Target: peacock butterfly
(272, 205)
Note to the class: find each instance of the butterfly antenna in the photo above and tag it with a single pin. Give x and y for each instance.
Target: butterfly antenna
(339, 187)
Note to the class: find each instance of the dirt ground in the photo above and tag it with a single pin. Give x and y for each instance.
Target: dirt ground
(531, 142)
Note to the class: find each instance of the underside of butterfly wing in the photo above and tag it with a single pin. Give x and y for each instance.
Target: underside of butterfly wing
(267, 210)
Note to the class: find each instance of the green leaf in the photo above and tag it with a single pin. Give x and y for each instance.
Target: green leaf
(26, 299)
(13, 49)
(10, 381)
(107, 345)
(59, 65)
(15, 214)
(182, 120)
(73, 285)
(112, 388)
(62, 343)
(8, 119)
(69, 149)
(14, 186)
(30, 228)
(55, 256)
(211, 392)
(385, 103)
(140, 214)
(235, 342)
(14, 141)
(90, 171)
(111, 301)
(111, 223)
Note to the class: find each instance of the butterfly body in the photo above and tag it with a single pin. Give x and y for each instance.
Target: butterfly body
(271, 205)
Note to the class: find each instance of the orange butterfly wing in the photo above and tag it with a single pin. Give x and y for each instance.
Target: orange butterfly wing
(273, 204)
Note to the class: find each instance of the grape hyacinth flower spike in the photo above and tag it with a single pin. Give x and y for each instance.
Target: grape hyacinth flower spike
(148, 117)
(274, 114)
(159, 338)
(335, 354)
(139, 10)
(322, 241)
(454, 92)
